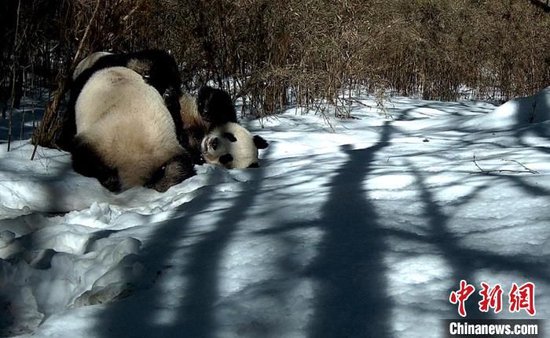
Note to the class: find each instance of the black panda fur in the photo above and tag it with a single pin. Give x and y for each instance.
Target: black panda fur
(125, 135)
(209, 120)
(158, 68)
(215, 106)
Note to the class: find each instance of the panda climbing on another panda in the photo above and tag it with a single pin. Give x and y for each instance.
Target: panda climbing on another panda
(129, 125)
(214, 135)
(122, 124)
(125, 134)
(156, 67)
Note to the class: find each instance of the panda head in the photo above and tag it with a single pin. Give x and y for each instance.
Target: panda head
(232, 146)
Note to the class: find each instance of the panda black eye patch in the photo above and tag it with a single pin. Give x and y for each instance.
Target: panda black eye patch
(224, 159)
(230, 137)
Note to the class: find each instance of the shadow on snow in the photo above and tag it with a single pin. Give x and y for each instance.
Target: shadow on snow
(194, 315)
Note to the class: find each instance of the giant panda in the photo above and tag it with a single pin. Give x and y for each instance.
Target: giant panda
(125, 135)
(158, 69)
(213, 134)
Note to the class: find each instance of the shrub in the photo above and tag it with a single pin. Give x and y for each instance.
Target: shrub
(273, 53)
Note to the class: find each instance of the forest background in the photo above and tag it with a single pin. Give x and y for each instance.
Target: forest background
(273, 54)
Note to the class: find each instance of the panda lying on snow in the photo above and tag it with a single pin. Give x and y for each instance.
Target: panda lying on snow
(214, 136)
(124, 131)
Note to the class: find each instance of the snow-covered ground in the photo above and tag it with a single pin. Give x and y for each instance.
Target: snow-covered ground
(353, 228)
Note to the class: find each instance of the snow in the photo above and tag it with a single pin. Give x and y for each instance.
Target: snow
(351, 228)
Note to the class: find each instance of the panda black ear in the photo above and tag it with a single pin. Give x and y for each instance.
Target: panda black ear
(260, 142)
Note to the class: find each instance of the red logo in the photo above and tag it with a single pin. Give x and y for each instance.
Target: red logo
(522, 298)
(461, 296)
(490, 298)
(519, 298)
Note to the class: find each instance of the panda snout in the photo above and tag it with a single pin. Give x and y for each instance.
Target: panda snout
(214, 143)
(210, 144)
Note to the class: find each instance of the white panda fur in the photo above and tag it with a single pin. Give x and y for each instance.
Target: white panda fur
(88, 62)
(241, 146)
(227, 144)
(158, 69)
(130, 129)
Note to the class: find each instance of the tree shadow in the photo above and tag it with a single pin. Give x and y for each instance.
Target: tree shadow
(447, 243)
(193, 315)
(197, 311)
(352, 300)
(466, 262)
(22, 308)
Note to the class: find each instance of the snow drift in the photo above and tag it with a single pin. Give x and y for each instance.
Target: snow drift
(353, 228)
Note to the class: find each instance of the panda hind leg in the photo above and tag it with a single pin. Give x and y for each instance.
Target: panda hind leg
(64, 137)
(86, 161)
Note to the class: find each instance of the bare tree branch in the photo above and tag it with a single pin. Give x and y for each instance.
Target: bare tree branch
(14, 74)
(499, 171)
